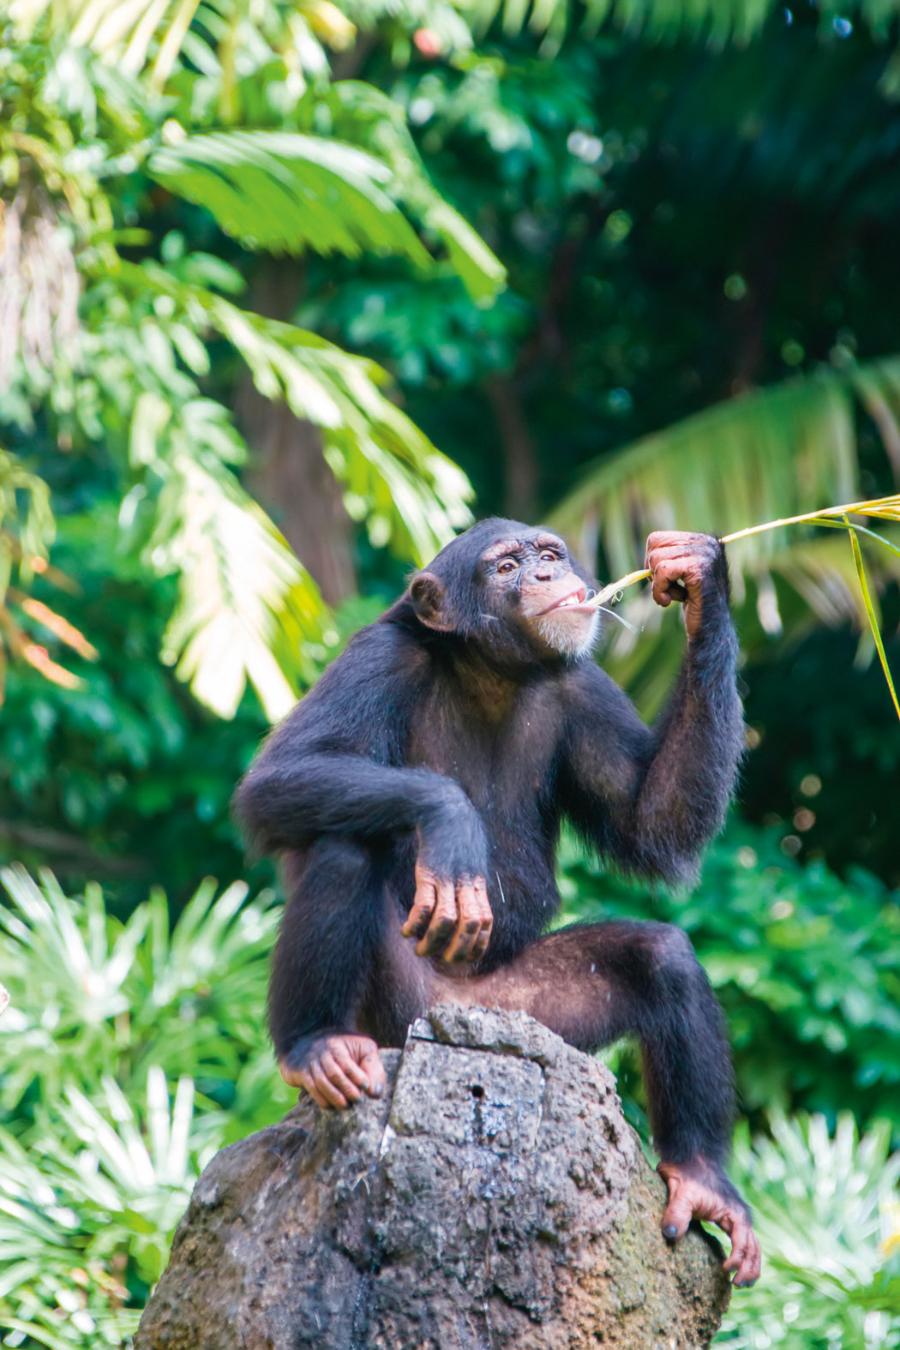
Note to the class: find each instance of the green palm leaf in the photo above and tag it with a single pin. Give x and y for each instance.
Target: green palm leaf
(871, 613)
(411, 496)
(285, 191)
(241, 592)
(716, 22)
(776, 452)
(362, 115)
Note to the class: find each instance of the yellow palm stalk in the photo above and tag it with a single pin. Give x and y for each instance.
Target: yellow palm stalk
(880, 508)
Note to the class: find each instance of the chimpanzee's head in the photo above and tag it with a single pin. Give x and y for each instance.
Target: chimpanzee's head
(512, 589)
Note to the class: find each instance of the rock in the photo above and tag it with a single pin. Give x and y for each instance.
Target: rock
(495, 1196)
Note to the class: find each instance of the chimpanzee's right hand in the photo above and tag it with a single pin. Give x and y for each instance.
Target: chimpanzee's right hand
(335, 1068)
(450, 918)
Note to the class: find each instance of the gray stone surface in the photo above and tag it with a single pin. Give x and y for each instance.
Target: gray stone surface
(494, 1197)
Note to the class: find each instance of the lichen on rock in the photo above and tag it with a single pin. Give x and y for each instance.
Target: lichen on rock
(494, 1196)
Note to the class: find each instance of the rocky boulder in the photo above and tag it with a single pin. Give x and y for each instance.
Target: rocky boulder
(495, 1196)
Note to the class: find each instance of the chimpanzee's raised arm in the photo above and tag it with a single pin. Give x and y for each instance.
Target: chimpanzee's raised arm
(651, 799)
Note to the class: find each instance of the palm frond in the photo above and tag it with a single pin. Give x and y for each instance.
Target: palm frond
(286, 191)
(241, 591)
(411, 496)
(27, 528)
(362, 115)
(776, 452)
(771, 454)
(714, 22)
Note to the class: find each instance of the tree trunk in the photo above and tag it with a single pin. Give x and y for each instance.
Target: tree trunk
(494, 1197)
(521, 469)
(288, 473)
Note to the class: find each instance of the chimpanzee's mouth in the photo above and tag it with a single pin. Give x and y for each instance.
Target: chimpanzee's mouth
(574, 600)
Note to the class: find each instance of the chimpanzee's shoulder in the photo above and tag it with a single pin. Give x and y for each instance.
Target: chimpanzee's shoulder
(586, 684)
(380, 652)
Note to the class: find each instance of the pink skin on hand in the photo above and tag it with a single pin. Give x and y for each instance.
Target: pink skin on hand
(450, 919)
(338, 1069)
(680, 562)
(693, 1194)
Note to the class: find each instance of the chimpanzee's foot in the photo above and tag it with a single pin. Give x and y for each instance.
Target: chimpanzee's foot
(335, 1069)
(698, 1190)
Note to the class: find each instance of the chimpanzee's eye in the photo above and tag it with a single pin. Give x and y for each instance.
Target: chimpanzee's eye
(548, 555)
(507, 565)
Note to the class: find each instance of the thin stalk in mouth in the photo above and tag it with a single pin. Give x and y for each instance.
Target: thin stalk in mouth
(835, 517)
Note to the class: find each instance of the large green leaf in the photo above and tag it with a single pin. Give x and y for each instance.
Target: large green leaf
(241, 591)
(362, 115)
(411, 496)
(285, 191)
(775, 452)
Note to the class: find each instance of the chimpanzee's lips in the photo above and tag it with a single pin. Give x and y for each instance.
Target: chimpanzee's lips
(574, 600)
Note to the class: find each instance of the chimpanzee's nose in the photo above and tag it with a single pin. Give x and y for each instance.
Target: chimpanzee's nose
(543, 574)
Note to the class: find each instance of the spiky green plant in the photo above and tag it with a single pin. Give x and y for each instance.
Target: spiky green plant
(825, 1207)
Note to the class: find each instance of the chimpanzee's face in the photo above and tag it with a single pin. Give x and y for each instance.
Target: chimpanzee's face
(532, 582)
(511, 590)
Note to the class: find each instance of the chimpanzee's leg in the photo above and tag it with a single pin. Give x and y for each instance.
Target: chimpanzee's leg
(595, 983)
(330, 936)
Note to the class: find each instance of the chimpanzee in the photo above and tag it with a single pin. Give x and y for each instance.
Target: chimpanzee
(416, 795)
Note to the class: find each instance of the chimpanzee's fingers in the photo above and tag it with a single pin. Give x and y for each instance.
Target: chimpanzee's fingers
(663, 542)
(305, 1081)
(424, 901)
(443, 921)
(659, 589)
(487, 919)
(325, 1088)
(678, 1212)
(371, 1062)
(751, 1266)
(293, 1077)
(354, 1071)
(676, 565)
(461, 946)
(744, 1256)
(338, 1078)
(668, 576)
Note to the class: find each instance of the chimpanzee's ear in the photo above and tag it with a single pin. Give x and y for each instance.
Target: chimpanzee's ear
(429, 599)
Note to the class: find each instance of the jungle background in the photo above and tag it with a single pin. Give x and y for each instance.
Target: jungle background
(289, 290)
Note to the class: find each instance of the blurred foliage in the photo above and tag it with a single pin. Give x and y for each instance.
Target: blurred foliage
(135, 1051)
(127, 779)
(825, 1206)
(111, 353)
(823, 765)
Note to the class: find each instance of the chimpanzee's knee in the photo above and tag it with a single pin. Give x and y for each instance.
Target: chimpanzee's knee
(673, 977)
(670, 949)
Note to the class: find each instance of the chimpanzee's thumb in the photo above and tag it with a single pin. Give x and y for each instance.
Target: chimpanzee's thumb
(678, 1213)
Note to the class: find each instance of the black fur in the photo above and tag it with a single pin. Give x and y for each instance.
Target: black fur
(460, 742)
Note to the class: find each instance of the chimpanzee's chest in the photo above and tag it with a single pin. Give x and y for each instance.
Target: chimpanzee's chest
(503, 754)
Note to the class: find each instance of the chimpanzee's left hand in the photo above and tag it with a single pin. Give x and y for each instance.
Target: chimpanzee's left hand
(450, 918)
(683, 567)
(699, 1191)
